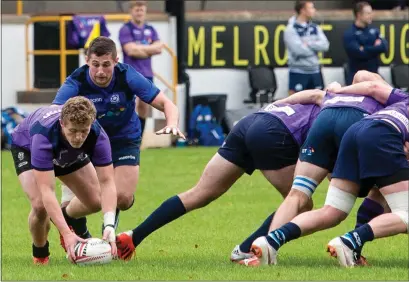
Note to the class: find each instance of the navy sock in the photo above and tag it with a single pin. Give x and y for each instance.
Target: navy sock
(368, 210)
(41, 252)
(79, 225)
(284, 234)
(143, 121)
(356, 239)
(170, 210)
(261, 231)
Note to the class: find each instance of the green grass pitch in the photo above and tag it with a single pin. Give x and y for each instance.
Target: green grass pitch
(198, 245)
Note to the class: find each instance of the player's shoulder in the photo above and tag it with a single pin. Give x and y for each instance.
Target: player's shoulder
(45, 120)
(149, 26)
(125, 26)
(80, 73)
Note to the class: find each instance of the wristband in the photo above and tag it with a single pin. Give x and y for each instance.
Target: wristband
(109, 219)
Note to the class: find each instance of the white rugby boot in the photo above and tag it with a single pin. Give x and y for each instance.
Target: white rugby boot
(237, 255)
(346, 256)
(264, 253)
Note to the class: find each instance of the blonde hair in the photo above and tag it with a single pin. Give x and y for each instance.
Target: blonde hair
(133, 4)
(78, 110)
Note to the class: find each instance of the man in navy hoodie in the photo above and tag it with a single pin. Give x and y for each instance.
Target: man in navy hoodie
(362, 42)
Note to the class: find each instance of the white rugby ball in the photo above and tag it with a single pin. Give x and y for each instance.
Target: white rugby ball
(94, 251)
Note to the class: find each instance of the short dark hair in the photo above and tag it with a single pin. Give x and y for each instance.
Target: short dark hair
(101, 46)
(299, 5)
(359, 6)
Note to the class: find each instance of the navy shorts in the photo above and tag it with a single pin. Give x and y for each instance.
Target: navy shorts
(260, 141)
(371, 151)
(301, 81)
(126, 152)
(324, 137)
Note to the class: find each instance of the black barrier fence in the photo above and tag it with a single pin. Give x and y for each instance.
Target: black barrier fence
(240, 44)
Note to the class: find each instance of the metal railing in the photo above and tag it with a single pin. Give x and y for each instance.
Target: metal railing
(63, 52)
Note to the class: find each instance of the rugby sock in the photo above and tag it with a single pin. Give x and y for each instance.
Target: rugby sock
(368, 210)
(79, 225)
(356, 239)
(143, 121)
(284, 234)
(41, 252)
(170, 210)
(261, 231)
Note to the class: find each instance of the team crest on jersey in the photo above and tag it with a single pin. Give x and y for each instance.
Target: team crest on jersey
(20, 156)
(114, 99)
(147, 32)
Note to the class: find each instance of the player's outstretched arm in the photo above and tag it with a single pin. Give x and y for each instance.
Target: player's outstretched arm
(108, 202)
(46, 184)
(379, 90)
(313, 96)
(165, 105)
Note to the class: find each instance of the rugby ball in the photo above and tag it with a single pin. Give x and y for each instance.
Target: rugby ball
(94, 251)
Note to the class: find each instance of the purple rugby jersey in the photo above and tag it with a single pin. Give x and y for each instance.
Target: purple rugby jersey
(145, 35)
(360, 102)
(297, 118)
(41, 134)
(398, 114)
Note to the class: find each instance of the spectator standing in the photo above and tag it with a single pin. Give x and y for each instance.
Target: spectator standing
(362, 42)
(304, 39)
(139, 42)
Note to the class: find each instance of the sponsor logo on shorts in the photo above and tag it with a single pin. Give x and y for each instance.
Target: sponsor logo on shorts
(20, 156)
(309, 151)
(129, 157)
(22, 164)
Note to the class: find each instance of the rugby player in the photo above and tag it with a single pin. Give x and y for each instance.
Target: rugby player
(373, 152)
(53, 142)
(113, 88)
(319, 152)
(268, 140)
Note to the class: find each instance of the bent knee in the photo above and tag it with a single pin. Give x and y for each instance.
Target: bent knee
(38, 209)
(333, 215)
(94, 204)
(302, 200)
(125, 201)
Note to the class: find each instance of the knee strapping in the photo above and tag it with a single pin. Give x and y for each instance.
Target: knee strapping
(305, 184)
(339, 199)
(398, 202)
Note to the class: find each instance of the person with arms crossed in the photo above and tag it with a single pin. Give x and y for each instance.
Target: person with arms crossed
(362, 42)
(304, 40)
(373, 151)
(54, 141)
(113, 87)
(139, 42)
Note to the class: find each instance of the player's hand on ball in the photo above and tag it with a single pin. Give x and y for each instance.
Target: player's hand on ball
(109, 236)
(171, 130)
(70, 240)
